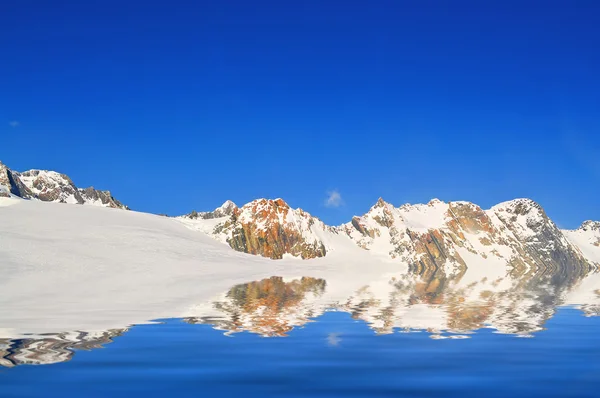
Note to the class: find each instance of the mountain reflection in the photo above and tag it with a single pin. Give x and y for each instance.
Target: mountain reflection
(443, 305)
(269, 307)
(428, 301)
(52, 349)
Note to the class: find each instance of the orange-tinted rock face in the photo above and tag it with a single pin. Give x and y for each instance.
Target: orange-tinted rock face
(469, 218)
(271, 228)
(429, 247)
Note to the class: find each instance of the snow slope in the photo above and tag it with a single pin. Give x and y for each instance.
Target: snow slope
(587, 238)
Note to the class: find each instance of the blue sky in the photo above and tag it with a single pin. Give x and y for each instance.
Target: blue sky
(175, 106)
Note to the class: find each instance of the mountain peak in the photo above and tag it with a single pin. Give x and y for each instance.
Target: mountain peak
(227, 208)
(271, 228)
(519, 206)
(434, 201)
(590, 225)
(381, 202)
(264, 204)
(51, 186)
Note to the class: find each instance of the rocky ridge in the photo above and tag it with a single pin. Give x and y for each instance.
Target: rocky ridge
(270, 228)
(438, 235)
(50, 186)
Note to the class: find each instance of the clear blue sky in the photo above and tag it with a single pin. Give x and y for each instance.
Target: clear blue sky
(175, 106)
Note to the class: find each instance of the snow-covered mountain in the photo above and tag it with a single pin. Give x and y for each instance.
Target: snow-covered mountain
(50, 186)
(451, 236)
(267, 227)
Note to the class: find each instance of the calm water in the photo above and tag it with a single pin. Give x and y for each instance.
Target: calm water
(274, 338)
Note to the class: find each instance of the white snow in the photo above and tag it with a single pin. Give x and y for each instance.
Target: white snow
(421, 218)
(588, 242)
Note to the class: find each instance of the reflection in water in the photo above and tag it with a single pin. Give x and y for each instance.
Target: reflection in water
(446, 306)
(270, 307)
(52, 349)
(429, 301)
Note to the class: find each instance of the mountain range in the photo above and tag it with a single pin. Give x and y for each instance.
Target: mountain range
(450, 236)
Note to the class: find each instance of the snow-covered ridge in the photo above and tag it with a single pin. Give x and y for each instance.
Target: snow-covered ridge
(268, 227)
(448, 235)
(50, 186)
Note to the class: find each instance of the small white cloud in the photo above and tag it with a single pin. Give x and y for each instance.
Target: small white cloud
(334, 199)
(14, 123)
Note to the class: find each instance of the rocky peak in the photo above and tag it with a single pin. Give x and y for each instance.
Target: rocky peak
(523, 216)
(542, 241)
(13, 184)
(91, 195)
(227, 209)
(521, 207)
(271, 228)
(444, 235)
(50, 186)
(438, 235)
(590, 225)
(266, 210)
(380, 203)
(434, 202)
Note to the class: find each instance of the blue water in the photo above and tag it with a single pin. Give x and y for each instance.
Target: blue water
(335, 355)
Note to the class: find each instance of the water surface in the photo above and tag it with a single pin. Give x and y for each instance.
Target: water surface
(413, 335)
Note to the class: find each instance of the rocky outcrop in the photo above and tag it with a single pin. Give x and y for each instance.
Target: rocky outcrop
(50, 186)
(592, 228)
(13, 184)
(450, 236)
(272, 229)
(227, 209)
(540, 238)
(104, 198)
(457, 235)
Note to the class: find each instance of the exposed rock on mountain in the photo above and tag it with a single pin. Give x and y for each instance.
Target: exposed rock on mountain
(50, 186)
(447, 236)
(226, 209)
(458, 234)
(544, 244)
(590, 226)
(271, 228)
(437, 235)
(12, 183)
